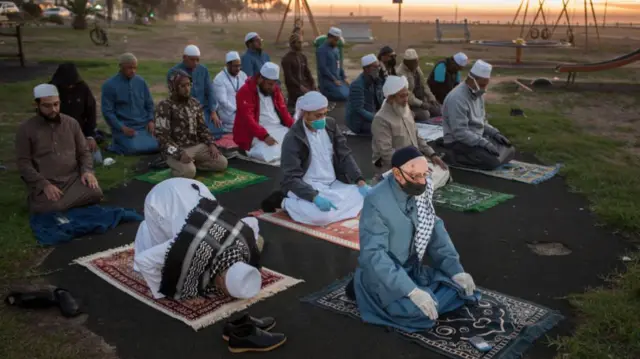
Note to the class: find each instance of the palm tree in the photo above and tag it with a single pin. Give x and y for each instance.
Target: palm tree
(80, 11)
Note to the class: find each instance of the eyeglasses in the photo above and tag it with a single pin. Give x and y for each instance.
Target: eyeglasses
(417, 176)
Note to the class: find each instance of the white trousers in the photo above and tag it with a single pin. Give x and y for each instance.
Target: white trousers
(344, 196)
(263, 152)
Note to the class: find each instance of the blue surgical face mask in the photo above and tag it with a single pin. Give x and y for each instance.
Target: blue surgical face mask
(319, 124)
(477, 91)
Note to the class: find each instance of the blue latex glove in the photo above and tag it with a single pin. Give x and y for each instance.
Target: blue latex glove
(364, 189)
(324, 204)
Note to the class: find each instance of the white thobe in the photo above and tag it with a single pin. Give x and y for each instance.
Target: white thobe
(225, 88)
(270, 120)
(322, 177)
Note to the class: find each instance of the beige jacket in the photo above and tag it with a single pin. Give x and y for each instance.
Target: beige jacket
(390, 131)
(403, 70)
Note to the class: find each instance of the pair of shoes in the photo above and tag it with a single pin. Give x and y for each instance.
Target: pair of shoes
(249, 334)
(45, 299)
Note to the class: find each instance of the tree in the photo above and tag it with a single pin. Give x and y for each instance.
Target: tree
(141, 8)
(223, 8)
(80, 11)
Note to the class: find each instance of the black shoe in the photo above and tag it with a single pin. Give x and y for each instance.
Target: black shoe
(248, 338)
(266, 324)
(32, 300)
(68, 306)
(273, 202)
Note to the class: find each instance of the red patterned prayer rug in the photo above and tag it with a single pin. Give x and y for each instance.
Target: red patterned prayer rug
(344, 233)
(226, 142)
(116, 267)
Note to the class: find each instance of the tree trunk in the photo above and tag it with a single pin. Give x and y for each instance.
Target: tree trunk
(109, 11)
(79, 22)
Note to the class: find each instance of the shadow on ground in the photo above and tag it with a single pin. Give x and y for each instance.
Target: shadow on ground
(492, 244)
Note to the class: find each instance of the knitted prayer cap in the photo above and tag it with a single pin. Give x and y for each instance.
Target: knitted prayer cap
(404, 155)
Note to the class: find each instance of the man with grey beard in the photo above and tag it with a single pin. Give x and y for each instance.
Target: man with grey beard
(394, 127)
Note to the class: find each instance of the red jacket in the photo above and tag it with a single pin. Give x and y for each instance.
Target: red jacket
(246, 125)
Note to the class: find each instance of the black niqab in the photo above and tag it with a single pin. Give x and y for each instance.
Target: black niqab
(66, 75)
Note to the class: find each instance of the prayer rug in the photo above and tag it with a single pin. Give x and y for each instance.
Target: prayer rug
(116, 267)
(226, 142)
(217, 182)
(344, 233)
(429, 132)
(520, 171)
(255, 160)
(510, 325)
(463, 198)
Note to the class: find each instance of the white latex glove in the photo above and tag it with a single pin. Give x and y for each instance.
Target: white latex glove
(425, 302)
(466, 282)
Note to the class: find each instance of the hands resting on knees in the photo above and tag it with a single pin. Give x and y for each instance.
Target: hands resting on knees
(425, 303)
(466, 282)
(323, 204)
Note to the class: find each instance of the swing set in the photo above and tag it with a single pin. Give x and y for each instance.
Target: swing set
(546, 33)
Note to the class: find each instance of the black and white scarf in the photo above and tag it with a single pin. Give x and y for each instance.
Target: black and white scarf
(426, 219)
(211, 241)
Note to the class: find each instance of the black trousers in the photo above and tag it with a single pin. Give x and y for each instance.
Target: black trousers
(460, 154)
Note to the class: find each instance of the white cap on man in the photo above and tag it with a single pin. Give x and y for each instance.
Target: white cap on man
(191, 50)
(250, 36)
(45, 90)
(481, 69)
(270, 71)
(243, 281)
(311, 101)
(410, 54)
(334, 31)
(394, 84)
(461, 59)
(368, 60)
(231, 56)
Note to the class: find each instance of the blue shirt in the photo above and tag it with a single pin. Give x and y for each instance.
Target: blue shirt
(253, 60)
(126, 102)
(201, 87)
(328, 59)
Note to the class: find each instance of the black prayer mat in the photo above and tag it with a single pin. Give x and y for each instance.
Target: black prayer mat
(508, 324)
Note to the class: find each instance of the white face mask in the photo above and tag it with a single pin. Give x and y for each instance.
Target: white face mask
(477, 91)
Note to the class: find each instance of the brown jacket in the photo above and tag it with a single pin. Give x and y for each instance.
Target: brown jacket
(390, 131)
(51, 152)
(296, 74)
(403, 70)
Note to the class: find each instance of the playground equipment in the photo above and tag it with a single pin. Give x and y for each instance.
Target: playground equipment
(358, 32)
(300, 6)
(573, 69)
(440, 27)
(17, 33)
(546, 33)
(520, 45)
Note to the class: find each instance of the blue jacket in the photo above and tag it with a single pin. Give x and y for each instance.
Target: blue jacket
(365, 99)
(388, 267)
(201, 88)
(252, 61)
(328, 62)
(127, 102)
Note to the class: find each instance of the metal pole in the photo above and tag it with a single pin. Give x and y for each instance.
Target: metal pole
(399, 22)
(586, 27)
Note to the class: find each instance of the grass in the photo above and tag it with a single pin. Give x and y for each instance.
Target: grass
(609, 325)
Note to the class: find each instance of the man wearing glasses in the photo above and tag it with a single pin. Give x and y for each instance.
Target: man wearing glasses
(398, 228)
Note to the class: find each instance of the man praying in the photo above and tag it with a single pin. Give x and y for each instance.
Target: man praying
(365, 96)
(182, 133)
(53, 158)
(201, 87)
(127, 108)
(393, 127)
(387, 59)
(421, 100)
(332, 80)
(178, 262)
(226, 85)
(297, 75)
(254, 58)
(398, 229)
(262, 119)
(321, 180)
(445, 75)
(468, 137)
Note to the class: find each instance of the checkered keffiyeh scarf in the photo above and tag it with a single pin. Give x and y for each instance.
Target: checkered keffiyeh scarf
(211, 241)
(426, 219)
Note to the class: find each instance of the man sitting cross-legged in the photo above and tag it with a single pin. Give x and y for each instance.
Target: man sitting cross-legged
(321, 180)
(262, 118)
(127, 108)
(393, 127)
(53, 158)
(365, 96)
(423, 103)
(181, 130)
(398, 228)
(468, 137)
